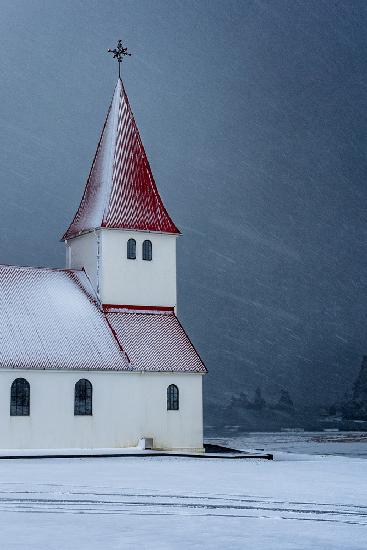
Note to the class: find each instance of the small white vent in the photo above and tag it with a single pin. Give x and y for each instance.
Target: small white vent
(145, 443)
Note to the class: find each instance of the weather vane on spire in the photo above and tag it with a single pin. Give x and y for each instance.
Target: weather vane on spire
(118, 53)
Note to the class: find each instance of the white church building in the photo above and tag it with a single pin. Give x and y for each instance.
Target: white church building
(93, 356)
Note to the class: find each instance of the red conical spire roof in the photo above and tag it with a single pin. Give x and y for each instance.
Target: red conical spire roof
(120, 192)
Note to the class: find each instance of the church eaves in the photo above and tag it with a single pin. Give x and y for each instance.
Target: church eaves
(120, 192)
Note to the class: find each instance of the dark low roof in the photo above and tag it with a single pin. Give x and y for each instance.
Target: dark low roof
(51, 319)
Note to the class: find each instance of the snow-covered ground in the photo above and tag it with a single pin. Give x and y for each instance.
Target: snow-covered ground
(295, 502)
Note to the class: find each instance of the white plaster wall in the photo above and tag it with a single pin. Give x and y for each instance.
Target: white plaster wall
(137, 282)
(82, 252)
(126, 406)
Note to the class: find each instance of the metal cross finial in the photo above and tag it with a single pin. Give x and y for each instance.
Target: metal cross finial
(118, 53)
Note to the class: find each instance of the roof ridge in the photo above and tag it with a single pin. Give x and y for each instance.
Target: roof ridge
(91, 294)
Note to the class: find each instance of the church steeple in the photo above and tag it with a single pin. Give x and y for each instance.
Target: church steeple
(121, 234)
(120, 192)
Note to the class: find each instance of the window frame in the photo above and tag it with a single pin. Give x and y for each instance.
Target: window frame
(83, 405)
(20, 397)
(147, 250)
(173, 398)
(131, 249)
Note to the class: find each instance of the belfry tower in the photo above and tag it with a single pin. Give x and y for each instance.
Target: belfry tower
(121, 234)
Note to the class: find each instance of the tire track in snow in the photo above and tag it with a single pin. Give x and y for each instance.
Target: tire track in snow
(53, 499)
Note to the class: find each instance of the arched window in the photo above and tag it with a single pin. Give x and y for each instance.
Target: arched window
(147, 250)
(131, 249)
(172, 398)
(83, 398)
(19, 397)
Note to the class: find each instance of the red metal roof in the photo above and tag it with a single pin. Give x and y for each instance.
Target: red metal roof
(51, 319)
(155, 341)
(120, 190)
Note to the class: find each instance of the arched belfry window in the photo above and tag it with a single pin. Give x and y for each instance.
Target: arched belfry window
(172, 398)
(83, 398)
(147, 250)
(19, 397)
(131, 249)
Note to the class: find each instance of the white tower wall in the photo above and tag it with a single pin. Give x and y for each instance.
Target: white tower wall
(82, 253)
(122, 281)
(138, 282)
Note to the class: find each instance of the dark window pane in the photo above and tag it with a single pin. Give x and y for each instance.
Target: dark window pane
(172, 398)
(131, 249)
(20, 397)
(147, 250)
(83, 398)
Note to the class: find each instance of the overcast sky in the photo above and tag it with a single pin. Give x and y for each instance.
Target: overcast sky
(253, 115)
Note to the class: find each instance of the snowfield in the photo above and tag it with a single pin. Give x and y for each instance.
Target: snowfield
(294, 502)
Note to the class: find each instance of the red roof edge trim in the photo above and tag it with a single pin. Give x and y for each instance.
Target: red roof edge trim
(72, 275)
(107, 307)
(116, 338)
(119, 228)
(127, 227)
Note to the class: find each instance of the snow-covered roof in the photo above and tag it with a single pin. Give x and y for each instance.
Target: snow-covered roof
(155, 341)
(51, 319)
(120, 191)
